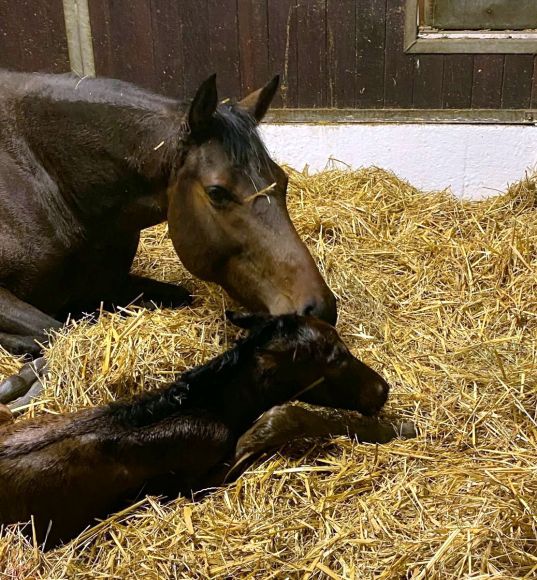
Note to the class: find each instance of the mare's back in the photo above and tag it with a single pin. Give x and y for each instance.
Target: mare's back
(70, 88)
(15, 86)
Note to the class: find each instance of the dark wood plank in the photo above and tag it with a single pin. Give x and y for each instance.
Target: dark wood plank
(10, 46)
(47, 45)
(487, 83)
(341, 56)
(224, 45)
(399, 67)
(370, 53)
(123, 41)
(533, 103)
(282, 24)
(311, 46)
(458, 77)
(101, 36)
(196, 50)
(32, 36)
(167, 29)
(253, 44)
(517, 81)
(428, 80)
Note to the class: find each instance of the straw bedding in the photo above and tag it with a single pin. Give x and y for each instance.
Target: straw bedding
(441, 297)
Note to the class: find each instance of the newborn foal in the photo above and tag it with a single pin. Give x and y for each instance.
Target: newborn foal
(66, 470)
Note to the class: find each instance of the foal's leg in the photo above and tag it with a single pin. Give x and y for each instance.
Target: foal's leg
(288, 422)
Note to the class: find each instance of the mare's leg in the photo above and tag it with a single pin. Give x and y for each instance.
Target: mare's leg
(161, 293)
(131, 290)
(290, 421)
(18, 390)
(21, 324)
(20, 345)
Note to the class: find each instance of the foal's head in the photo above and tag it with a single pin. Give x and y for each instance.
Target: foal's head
(227, 211)
(303, 350)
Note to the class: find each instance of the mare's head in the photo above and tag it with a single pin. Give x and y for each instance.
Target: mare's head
(222, 231)
(298, 351)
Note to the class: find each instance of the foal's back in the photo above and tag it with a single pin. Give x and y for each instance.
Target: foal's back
(70, 469)
(41, 472)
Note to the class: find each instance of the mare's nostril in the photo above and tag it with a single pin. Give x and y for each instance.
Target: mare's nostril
(324, 309)
(310, 309)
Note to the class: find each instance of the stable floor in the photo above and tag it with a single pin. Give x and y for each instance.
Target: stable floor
(437, 294)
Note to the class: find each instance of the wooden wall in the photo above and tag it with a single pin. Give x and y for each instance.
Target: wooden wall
(331, 53)
(32, 35)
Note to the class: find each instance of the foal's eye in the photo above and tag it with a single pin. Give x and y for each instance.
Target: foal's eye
(219, 196)
(338, 355)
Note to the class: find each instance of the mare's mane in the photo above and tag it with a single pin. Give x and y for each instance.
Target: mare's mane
(238, 132)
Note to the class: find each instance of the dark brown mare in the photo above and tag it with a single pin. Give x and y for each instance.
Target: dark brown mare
(85, 164)
(66, 470)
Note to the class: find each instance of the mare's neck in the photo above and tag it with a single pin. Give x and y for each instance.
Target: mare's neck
(104, 147)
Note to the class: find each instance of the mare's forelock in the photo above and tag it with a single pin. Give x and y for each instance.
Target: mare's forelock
(239, 134)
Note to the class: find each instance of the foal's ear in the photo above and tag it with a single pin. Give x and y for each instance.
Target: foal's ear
(246, 321)
(203, 106)
(258, 102)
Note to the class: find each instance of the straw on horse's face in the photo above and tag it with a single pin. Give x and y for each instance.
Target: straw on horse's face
(227, 211)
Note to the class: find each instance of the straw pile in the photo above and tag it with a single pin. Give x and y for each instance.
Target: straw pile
(439, 295)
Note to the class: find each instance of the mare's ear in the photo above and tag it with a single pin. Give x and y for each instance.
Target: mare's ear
(203, 106)
(246, 321)
(258, 102)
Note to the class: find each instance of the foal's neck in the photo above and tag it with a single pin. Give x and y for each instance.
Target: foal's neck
(234, 395)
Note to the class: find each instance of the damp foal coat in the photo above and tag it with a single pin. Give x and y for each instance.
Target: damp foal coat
(66, 470)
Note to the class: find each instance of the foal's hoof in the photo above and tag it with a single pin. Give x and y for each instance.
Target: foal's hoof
(18, 390)
(6, 416)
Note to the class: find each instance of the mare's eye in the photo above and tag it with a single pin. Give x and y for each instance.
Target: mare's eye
(219, 196)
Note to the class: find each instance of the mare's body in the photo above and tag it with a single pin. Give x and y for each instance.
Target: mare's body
(86, 164)
(72, 196)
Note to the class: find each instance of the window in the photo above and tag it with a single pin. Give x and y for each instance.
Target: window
(471, 26)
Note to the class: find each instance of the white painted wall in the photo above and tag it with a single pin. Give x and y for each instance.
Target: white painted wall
(473, 160)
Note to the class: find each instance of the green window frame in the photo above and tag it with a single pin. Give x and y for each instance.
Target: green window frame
(471, 26)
